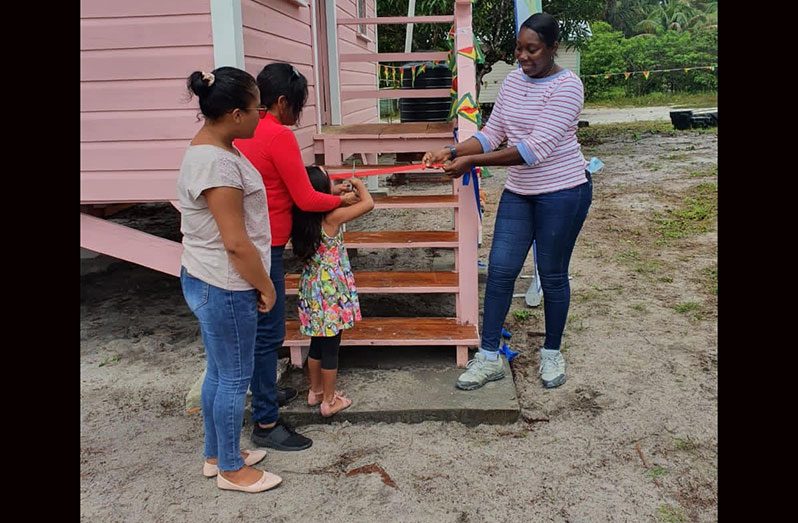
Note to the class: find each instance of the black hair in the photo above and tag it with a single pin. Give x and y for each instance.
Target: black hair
(306, 228)
(228, 88)
(545, 26)
(282, 79)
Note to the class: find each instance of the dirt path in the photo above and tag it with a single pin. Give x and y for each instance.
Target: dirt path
(603, 115)
(632, 435)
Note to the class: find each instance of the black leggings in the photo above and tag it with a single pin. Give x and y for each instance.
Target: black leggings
(325, 349)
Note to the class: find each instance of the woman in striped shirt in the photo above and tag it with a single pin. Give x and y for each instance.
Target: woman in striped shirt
(546, 196)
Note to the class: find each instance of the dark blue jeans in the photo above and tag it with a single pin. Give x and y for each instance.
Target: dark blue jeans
(553, 220)
(270, 337)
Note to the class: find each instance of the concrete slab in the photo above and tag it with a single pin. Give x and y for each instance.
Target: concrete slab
(408, 385)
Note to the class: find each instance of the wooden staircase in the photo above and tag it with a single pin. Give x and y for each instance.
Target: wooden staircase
(147, 180)
(341, 141)
(338, 142)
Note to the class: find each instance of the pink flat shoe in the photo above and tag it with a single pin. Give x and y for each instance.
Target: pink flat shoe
(314, 398)
(209, 470)
(339, 403)
(266, 481)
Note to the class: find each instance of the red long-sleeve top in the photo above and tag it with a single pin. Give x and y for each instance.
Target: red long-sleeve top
(275, 153)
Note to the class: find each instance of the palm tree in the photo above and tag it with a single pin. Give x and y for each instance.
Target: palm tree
(624, 15)
(677, 15)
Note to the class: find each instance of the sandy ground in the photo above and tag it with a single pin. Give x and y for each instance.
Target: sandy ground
(631, 436)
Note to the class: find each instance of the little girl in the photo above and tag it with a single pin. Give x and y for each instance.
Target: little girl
(328, 301)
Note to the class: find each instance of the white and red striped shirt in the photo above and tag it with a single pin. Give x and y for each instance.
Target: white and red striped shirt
(539, 116)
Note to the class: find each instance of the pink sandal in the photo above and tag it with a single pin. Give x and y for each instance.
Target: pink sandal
(314, 398)
(339, 403)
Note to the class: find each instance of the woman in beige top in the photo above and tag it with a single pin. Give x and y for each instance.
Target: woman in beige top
(225, 266)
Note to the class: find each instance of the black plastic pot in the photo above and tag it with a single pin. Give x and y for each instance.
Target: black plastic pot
(426, 109)
(682, 119)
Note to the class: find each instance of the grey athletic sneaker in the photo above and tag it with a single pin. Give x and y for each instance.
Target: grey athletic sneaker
(552, 368)
(479, 371)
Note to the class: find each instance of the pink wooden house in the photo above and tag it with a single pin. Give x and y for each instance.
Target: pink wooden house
(136, 124)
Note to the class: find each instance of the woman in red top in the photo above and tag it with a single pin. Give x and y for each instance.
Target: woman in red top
(274, 151)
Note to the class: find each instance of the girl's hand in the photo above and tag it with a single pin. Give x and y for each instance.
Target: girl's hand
(349, 198)
(358, 185)
(458, 167)
(341, 188)
(439, 156)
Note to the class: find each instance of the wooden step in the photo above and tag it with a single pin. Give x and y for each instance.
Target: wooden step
(395, 282)
(400, 239)
(384, 130)
(396, 331)
(338, 142)
(427, 201)
(415, 169)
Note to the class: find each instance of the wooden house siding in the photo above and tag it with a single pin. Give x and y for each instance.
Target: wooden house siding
(135, 119)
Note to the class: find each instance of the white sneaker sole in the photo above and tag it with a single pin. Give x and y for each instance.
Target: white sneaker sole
(472, 386)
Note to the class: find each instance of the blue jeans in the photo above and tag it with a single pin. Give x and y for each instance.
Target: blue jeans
(228, 320)
(553, 220)
(271, 334)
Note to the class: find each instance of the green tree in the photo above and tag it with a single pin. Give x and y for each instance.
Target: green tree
(609, 52)
(493, 23)
(624, 15)
(678, 15)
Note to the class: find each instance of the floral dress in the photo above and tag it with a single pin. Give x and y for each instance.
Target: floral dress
(328, 300)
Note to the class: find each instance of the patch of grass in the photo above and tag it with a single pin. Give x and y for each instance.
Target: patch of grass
(647, 266)
(697, 214)
(627, 256)
(670, 514)
(575, 323)
(710, 279)
(676, 157)
(705, 99)
(639, 307)
(586, 295)
(712, 170)
(110, 360)
(656, 471)
(685, 444)
(686, 307)
(691, 309)
(665, 279)
(600, 133)
(522, 314)
(638, 263)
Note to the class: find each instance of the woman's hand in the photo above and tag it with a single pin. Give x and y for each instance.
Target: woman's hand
(439, 156)
(267, 299)
(458, 167)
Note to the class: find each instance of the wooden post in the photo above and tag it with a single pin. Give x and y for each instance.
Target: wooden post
(462, 355)
(332, 151)
(467, 218)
